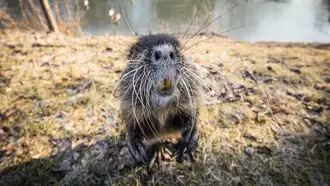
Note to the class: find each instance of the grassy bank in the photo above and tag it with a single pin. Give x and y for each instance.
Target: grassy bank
(266, 121)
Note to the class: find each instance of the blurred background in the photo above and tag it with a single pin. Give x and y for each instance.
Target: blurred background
(276, 20)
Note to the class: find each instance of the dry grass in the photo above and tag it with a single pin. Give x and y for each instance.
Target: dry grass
(54, 133)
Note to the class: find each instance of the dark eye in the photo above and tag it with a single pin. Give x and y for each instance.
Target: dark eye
(171, 55)
(157, 55)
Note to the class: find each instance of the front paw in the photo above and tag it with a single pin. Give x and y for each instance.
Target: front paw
(188, 145)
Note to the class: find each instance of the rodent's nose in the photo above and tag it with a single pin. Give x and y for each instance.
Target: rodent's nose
(163, 56)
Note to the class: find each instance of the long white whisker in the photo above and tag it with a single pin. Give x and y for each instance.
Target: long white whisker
(123, 77)
(92, 79)
(204, 26)
(229, 30)
(255, 79)
(134, 105)
(154, 132)
(199, 6)
(193, 112)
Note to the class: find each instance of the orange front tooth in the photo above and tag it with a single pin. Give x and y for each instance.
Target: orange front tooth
(166, 84)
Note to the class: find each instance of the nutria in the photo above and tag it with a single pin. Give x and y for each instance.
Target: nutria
(160, 93)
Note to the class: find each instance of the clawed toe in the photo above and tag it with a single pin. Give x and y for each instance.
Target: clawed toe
(180, 157)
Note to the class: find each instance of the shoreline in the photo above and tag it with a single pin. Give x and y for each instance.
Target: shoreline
(320, 45)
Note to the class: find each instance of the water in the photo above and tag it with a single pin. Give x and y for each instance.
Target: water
(295, 20)
(277, 20)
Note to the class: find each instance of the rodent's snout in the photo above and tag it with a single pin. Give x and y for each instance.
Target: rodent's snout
(165, 87)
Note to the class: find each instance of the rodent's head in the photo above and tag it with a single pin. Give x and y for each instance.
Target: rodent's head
(160, 53)
(156, 74)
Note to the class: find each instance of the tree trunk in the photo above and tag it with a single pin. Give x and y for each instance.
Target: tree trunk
(49, 16)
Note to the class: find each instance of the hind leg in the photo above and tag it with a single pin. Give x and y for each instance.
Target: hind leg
(143, 153)
(137, 149)
(188, 143)
(136, 143)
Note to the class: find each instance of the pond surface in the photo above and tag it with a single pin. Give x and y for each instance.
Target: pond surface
(286, 20)
(273, 20)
